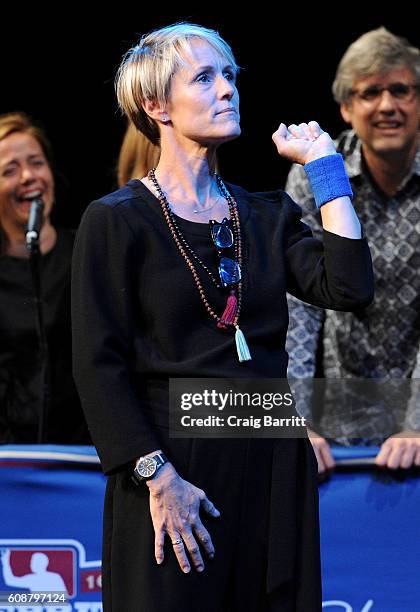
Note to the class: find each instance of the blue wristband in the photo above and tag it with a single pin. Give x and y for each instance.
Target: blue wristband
(328, 179)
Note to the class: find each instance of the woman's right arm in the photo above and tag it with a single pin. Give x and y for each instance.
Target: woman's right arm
(105, 260)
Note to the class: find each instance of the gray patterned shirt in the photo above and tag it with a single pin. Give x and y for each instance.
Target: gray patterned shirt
(378, 345)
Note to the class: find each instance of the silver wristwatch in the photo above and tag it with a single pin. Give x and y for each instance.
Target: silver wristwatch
(147, 467)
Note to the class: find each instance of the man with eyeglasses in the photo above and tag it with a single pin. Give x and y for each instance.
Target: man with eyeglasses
(367, 359)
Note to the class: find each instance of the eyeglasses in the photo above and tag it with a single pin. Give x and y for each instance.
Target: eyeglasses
(222, 236)
(403, 92)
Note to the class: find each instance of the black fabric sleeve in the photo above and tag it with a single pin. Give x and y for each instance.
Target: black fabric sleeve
(102, 321)
(333, 273)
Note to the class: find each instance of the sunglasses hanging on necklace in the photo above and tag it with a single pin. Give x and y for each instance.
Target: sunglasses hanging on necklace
(229, 269)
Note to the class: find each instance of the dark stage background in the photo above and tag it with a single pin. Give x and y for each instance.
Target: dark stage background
(59, 67)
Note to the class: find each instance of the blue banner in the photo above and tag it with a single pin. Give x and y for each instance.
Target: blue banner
(370, 536)
(50, 528)
(51, 522)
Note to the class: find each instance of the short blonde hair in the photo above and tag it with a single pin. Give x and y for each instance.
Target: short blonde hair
(147, 69)
(375, 52)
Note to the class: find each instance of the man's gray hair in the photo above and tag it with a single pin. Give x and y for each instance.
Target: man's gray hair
(375, 52)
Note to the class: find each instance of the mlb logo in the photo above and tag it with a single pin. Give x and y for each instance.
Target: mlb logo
(38, 569)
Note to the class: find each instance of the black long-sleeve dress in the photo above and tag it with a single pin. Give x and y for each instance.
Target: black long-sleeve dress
(137, 321)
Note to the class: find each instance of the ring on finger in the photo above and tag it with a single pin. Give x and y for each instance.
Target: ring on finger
(176, 542)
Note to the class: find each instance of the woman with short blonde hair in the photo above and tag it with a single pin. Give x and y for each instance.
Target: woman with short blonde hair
(181, 275)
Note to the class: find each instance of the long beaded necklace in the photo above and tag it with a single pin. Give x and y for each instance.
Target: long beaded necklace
(230, 317)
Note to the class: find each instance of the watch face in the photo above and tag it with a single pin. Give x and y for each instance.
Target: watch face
(147, 467)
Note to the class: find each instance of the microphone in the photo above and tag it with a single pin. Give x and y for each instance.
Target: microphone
(34, 224)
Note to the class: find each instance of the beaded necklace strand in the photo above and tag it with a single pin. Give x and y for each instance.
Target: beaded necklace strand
(230, 317)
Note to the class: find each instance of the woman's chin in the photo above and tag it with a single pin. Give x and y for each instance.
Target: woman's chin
(226, 137)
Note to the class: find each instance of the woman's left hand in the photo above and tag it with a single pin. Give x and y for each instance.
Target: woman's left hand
(303, 143)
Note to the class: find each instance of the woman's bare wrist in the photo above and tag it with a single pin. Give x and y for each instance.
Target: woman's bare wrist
(165, 476)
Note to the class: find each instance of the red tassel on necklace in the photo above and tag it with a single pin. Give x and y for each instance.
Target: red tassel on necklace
(229, 314)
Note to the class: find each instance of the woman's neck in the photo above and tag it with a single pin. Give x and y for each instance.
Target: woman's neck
(14, 240)
(187, 179)
(187, 176)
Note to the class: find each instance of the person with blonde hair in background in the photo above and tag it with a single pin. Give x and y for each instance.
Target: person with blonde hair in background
(137, 155)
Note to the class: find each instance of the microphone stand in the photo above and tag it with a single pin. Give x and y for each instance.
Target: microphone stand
(32, 243)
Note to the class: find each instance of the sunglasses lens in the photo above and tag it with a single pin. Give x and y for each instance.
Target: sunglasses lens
(229, 270)
(222, 236)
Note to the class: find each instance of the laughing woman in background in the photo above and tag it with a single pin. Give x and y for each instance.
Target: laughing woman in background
(26, 174)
